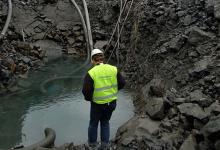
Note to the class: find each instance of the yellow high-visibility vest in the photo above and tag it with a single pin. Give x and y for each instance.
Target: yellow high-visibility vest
(105, 83)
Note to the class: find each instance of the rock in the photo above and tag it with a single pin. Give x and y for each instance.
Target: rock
(26, 60)
(71, 51)
(80, 38)
(157, 88)
(212, 129)
(127, 141)
(179, 100)
(101, 44)
(196, 36)
(187, 20)
(24, 46)
(198, 97)
(76, 28)
(214, 108)
(137, 127)
(189, 143)
(217, 145)
(176, 43)
(155, 108)
(200, 68)
(71, 40)
(193, 110)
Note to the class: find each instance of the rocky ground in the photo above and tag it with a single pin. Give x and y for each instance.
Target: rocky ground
(170, 54)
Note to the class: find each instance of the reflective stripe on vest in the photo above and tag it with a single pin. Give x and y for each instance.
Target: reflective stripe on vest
(105, 83)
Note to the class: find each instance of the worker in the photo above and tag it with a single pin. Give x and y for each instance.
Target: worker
(100, 87)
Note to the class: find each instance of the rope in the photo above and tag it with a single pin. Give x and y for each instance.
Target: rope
(121, 30)
(116, 26)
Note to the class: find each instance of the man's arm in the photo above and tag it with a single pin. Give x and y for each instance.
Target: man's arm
(121, 81)
(88, 88)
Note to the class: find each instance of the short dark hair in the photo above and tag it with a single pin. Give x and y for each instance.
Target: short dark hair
(98, 57)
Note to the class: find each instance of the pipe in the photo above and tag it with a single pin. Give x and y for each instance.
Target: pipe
(8, 19)
(84, 28)
(88, 25)
(50, 137)
(89, 46)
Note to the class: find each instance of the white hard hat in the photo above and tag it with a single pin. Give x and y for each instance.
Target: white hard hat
(96, 51)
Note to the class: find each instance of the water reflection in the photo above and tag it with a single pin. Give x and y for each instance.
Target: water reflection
(24, 116)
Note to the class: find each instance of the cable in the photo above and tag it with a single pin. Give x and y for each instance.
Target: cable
(121, 30)
(115, 26)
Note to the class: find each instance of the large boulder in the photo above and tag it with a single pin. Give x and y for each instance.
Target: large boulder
(193, 110)
(155, 108)
(212, 129)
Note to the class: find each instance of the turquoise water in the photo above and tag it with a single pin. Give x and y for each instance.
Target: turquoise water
(25, 115)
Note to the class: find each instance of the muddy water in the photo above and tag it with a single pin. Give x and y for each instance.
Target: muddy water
(25, 115)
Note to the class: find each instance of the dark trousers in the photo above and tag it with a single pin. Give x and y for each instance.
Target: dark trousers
(100, 113)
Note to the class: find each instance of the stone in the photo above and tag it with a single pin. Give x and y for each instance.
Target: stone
(127, 141)
(200, 67)
(80, 38)
(196, 36)
(187, 20)
(76, 28)
(193, 110)
(71, 51)
(138, 127)
(212, 129)
(198, 97)
(71, 40)
(24, 46)
(214, 108)
(101, 44)
(176, 43)
(26, 60)
(155, 108)
(189, 143)
(179, 100)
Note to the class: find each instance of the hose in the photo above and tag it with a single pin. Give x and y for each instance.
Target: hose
(84, 29)
(8, 19)
(88, 25)
(89, 47)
